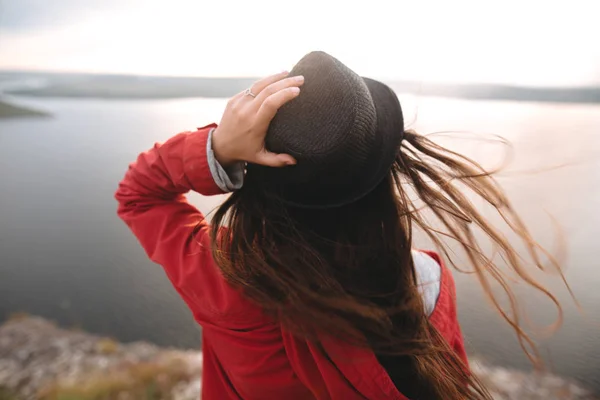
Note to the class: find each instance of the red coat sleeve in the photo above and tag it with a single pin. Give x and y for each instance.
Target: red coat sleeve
(174, 233)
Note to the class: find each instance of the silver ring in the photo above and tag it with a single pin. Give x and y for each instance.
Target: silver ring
(248, 92)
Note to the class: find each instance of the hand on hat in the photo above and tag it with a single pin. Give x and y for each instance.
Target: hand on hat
(243, 127)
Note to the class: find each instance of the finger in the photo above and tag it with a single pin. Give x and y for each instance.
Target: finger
(258, 86)
(293, 81)
(274, 160)
(269, 107)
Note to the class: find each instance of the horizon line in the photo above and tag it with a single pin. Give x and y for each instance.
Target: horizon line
(248, 77)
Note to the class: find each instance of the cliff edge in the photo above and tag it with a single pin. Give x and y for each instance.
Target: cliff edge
(41, 361)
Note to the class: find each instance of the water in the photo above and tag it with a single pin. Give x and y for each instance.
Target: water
(66, 256)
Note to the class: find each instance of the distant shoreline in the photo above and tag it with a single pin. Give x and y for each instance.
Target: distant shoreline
(44, 84)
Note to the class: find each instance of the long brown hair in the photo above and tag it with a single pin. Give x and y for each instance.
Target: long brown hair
(349, 271)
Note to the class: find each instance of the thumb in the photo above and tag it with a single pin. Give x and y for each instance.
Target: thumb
(274, 160)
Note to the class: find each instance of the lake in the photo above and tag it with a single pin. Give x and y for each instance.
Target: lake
(65, 255)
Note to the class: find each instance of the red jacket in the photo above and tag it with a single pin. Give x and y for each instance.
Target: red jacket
(246, 355)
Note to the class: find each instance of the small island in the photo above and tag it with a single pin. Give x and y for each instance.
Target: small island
(8, 110)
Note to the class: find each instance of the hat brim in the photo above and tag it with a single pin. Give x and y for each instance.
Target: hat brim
(390, 131)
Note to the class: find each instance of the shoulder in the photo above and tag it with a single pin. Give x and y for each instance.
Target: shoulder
(442, 310)
(428, 272)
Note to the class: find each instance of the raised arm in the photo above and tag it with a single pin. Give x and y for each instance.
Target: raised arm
(174, 233)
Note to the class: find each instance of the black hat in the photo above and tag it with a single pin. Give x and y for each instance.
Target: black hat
(344, 131)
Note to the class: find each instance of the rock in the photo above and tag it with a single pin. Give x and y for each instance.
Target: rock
(188, 391)
(508, 384)
(35, 354)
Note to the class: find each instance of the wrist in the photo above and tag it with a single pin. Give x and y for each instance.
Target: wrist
(219, 148)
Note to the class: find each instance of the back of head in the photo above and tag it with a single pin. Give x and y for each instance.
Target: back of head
(325, 245)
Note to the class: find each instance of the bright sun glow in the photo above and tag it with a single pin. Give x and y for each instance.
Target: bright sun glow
(533, 43)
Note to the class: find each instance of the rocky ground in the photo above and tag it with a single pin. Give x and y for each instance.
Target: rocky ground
(43, 362)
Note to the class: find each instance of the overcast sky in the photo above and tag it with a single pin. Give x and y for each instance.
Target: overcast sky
(512, 41)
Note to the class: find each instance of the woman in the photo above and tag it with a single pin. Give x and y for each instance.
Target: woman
(314, 289)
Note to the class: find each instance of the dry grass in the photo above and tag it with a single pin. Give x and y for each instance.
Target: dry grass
(148, 381)
(17, 316)
(20, 316)
(107, 346)
(7, 394)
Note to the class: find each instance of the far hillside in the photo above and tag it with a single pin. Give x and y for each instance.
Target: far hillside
(42, 84)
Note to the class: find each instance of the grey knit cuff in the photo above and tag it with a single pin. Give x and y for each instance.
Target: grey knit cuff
(229, 180)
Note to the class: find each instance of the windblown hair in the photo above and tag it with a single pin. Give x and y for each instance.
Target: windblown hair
(349, 272)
